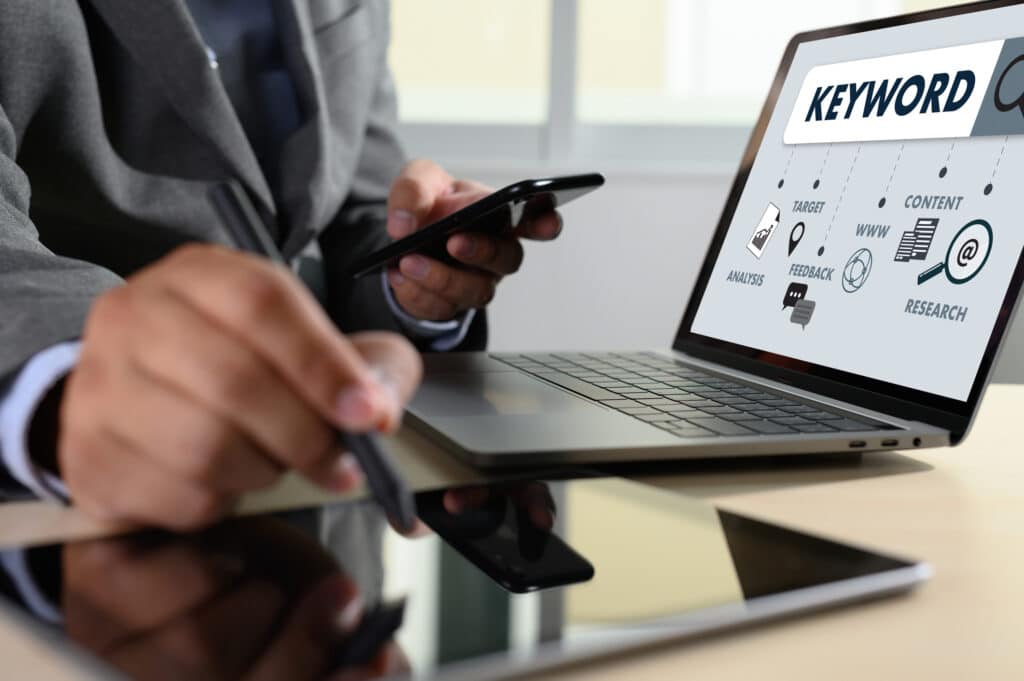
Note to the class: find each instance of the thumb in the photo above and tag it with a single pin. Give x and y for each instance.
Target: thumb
(413, 194)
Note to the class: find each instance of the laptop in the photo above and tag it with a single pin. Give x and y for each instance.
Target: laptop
(854, 296)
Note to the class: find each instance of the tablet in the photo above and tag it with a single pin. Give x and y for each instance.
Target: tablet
(519, 576)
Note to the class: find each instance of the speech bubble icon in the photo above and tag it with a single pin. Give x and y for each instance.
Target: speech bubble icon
(802, 313)
(794, 294)
(1010, 87)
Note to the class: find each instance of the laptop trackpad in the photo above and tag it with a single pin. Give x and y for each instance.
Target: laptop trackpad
(508, 392)
(511, 411)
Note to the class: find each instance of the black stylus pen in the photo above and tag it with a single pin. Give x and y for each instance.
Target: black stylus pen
(242, 221)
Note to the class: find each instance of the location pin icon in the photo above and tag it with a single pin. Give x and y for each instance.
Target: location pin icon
(795, 236)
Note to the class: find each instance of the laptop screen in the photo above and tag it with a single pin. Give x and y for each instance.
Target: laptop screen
(880, 225)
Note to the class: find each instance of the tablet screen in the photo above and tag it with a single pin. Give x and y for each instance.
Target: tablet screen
(529, 573)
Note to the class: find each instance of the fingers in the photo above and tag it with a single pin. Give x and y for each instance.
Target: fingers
(208, 374)
(542, 228)
(302, 649)
(423, 193)
(395, 364)
(218, 640)
(535, 498)
(114, 589)
(173, 430)
(413, 194)
(110, 481)
(428, 289)
(234, 384)
(266, 309)
(458, 500)
(498, 255)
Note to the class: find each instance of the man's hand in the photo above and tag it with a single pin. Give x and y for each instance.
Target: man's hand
(425, 288)
(222, 605)
(207, 375)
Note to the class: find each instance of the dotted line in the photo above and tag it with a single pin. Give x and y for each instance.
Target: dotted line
(1000, 159)
(842, 194)
(899, 157)
(828, 151)
(788, 162)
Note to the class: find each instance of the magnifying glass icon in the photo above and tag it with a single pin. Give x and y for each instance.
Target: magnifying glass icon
(968, 252)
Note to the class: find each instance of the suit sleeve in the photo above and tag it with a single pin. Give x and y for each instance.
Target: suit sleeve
(44, 298)
(359, 227)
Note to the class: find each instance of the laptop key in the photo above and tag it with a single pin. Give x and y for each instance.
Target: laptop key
(621, 404)
(660, 417)
(638, 395)
(691, 432)
(767, 427)
(739, 417)
(792, 420)
(681, 412)
(801, 409)
(658, 402)
(852, 425)
(720, 426)
(814, 428)
(641, 411)
(769, 413)
(721, 411)
(614, 386)
(577, 386)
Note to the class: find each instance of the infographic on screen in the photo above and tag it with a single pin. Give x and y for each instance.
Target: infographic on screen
(883, 217)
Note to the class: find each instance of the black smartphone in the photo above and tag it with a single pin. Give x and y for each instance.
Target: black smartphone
(501, 539)
(499, 212)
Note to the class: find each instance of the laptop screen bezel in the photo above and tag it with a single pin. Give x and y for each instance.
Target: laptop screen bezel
(898, 400)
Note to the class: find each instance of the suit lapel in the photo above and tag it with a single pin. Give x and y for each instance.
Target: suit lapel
(161, 36)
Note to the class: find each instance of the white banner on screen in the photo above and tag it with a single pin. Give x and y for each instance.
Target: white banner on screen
(919, 95)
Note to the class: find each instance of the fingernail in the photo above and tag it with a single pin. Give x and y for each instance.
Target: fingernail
(386, 382)
(346, 473)
(542, 519)
(355, 406)
(395, 278)
(415, 266)
(466, 247)
(390, 389)
(401, 223)
(348, 617)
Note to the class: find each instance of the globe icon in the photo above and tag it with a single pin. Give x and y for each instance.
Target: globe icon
(857, 269)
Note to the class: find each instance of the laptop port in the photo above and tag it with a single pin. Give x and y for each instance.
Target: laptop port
(890, 443)
(858, 444)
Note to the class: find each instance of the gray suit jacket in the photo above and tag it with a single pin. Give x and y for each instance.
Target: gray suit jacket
(113, 126)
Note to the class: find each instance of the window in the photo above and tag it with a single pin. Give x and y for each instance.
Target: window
(466, 61)
(571, 80)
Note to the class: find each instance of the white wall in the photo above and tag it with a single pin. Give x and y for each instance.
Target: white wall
(621, 273)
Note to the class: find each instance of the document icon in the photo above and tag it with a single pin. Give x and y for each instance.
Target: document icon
(764, 230)
(915, 244)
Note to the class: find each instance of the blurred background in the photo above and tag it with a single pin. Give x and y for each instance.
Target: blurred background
(659, 95)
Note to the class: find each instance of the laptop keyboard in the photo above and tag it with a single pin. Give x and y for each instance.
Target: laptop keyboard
(681, 399)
